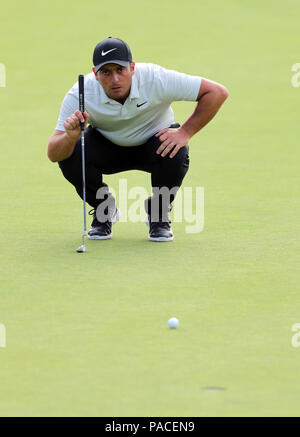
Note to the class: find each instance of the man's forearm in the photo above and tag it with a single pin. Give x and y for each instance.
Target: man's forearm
(207, 107)
(60, 147)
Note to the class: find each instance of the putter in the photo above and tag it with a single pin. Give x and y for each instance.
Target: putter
(81, 248)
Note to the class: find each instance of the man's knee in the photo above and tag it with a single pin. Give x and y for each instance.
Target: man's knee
(180, 162)
(71, 167)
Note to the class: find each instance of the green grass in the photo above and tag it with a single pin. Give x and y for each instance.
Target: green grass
(87, 334)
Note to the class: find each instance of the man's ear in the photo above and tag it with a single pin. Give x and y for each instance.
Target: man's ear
(94, 72)
(132, 67)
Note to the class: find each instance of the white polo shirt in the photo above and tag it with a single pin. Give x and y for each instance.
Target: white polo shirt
(146, 110)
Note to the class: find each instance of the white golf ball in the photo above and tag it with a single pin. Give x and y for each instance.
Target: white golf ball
(173, 322)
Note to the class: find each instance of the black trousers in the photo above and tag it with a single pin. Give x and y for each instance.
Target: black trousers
(104, 157)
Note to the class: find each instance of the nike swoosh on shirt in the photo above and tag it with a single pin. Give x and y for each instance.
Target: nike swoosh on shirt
(141, 104)
(105, 53)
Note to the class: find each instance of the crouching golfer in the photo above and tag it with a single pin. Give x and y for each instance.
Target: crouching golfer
(131, 127)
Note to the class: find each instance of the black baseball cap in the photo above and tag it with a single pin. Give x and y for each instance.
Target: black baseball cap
(111, 51)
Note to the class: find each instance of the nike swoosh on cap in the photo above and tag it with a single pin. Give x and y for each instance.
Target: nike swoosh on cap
(105, 53)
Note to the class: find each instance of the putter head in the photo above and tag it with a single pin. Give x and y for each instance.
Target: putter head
(81, 249)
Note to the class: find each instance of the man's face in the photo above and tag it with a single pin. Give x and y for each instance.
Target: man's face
(116, 80)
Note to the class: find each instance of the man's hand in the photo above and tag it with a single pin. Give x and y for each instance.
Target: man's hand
(72, 124)
(171, 139)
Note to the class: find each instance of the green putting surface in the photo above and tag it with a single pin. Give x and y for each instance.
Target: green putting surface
(87, 334)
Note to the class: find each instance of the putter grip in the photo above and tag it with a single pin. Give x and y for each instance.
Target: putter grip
(81, 96)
